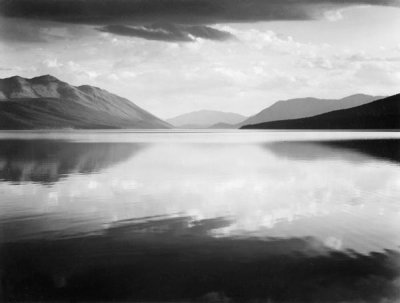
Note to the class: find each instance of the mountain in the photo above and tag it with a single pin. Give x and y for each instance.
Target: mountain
(205, 119)
(379, 114)
(223, 126)
(47, 103)
(306, 107)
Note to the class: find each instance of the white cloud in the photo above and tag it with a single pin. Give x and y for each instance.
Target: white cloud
(381, 73)
(334, 15)
(52, 63)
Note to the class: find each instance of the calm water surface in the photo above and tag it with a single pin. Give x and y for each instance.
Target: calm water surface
(200, 216)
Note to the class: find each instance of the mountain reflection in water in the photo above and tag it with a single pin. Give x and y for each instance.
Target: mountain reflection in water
(263, 221)
(47, 161)
(350, 150)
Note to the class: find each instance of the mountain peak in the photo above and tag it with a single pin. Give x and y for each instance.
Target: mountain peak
(306, 107)
(354, 100)
(362, 116)
(14, 79)
(205, 118)
(361, 96)
(47, 102)
(45, 78)
(356, 95)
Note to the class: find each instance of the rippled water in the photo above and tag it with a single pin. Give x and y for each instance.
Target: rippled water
(202, 216)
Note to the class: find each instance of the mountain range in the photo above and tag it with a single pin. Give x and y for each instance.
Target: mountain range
(47, 103)
(205, 119)
(281, 110)
(379, 114)
(305, 107)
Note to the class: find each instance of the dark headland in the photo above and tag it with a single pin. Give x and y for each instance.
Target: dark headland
(383, 114)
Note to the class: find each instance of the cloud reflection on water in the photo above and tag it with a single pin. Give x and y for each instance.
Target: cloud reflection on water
(168, 259)
(328, 189)
(299, 221)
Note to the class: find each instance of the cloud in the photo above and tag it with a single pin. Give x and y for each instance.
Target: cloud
(176, 20)
(107, 12)
(334, 15)
(11, 30)
(38, 31)
(378, 72)
(169, 32)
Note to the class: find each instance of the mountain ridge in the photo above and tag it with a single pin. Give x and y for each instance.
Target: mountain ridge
(379, 114)
(47, 102)
(306, 107)
(205, 118)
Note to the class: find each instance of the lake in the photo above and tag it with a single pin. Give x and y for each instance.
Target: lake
(235, 216)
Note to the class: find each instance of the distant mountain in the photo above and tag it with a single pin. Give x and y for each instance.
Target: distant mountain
(223, 126)
(379, 114)
(205, 119)
(47, 103)
(306, 107)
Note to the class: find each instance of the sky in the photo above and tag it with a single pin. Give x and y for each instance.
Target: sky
(177, 56)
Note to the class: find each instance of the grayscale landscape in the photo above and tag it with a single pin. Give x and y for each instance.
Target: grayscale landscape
(200, 151)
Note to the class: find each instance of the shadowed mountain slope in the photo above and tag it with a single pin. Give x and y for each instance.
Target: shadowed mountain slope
(306, 107)
(45, 102)
(380, 114)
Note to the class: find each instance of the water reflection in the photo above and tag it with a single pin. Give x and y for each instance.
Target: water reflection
(269, 220)
(47, 161)
(349, 150)
(176, 259)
